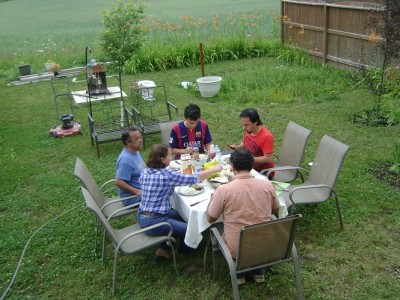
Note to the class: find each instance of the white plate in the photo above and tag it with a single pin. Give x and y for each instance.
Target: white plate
(188, 191)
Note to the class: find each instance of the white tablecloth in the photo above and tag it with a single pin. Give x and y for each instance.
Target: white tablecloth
(196, 216)
(82, 97)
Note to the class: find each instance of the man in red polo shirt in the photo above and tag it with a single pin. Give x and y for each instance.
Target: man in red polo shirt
(257, 139)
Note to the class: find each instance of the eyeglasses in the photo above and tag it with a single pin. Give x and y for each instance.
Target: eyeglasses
(139, 138)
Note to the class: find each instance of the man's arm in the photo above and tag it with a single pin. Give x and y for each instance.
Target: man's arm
(210, 219)
(174, 145)
(267, 158)
(275, 203)
(212, 206)
(233, 146)
(127, 188)
(188, 150)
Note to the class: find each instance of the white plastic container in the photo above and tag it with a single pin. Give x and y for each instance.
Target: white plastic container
(209, 86)
(147, 87)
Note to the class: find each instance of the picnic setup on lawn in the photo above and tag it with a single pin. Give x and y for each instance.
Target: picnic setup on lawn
(261, 243)
(164, 154)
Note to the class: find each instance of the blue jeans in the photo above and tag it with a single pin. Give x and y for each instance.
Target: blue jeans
(175, 220)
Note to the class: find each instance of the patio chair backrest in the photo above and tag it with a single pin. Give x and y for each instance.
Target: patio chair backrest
(266, 243)
(83, 174)
(92, 205)
(327, 162)
(166, 128)
(293, 145)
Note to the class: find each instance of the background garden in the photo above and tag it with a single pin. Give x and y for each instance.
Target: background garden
(360, 262)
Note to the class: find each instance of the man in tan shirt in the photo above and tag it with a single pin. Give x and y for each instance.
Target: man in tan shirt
(244, 201)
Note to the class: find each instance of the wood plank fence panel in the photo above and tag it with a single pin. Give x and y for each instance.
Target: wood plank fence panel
(336, 34)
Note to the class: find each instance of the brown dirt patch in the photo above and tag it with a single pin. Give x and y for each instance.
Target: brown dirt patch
(382, 173)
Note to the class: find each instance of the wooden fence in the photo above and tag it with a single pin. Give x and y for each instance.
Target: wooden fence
(334, 32)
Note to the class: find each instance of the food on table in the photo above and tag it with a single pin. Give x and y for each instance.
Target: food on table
(220, 179)
(209, 165)
(226, 160)
(226, 171)
(217, 181)
(175, 167)
(191, 190)
(197, 187)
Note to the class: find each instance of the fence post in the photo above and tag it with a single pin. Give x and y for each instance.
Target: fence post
(325, 35)
(282, 23)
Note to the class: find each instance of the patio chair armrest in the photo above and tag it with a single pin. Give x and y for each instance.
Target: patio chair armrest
(129, 116)
(223, 247)
(134, 207)
(105, 184)
(283, 168)
(175, 108)
(307, 187)
(92, 124)
(117, 200)
(143, 230)
(137, 117)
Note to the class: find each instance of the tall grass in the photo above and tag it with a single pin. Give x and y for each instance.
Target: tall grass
(62, 33)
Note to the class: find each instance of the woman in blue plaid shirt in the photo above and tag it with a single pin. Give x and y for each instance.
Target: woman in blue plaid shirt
(158, 185)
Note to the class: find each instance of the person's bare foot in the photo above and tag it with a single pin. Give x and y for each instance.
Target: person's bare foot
(163, 254)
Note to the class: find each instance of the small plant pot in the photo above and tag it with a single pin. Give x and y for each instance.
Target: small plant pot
(209, 86)
(24, 70)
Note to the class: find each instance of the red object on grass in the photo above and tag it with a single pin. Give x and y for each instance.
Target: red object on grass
(58, 131)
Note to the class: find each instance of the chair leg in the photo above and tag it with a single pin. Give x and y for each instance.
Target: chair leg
(205, 254)
(214, 249)
(103, 249)
(97, 149)
(96, 229)
(114, 272)
(299, 287)
(338, 210)
(173, 257)
(292, 208)
(235, 287)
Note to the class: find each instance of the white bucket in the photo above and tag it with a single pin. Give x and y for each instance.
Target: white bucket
(209, 86)
(147, 87)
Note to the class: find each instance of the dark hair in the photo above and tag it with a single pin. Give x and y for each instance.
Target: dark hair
(242, 159)
(192, 112)
(126, 138)
(252, 114)
(157, 151)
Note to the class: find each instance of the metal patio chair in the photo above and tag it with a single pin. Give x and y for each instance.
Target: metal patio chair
(111, 207)
(320, 184)
(288, 166)
(166, 131)
(128, 240)
(147, 115)
(260, 245)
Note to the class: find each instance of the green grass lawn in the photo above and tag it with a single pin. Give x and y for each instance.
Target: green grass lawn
(360, 262)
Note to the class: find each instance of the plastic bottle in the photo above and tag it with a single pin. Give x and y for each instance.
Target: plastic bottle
(218, 154)
(195, 151)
